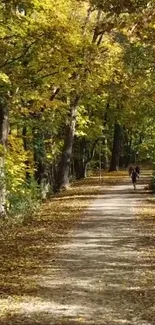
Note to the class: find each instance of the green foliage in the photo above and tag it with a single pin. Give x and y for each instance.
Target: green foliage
(102, 51)
(152, 182)
(24, 203)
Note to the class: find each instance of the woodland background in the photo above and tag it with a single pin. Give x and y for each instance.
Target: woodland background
(77, 93)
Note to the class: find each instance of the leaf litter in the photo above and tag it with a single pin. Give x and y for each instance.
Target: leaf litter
(25, 251)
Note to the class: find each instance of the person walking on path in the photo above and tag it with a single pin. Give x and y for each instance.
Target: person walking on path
(130, 170)
(134, 177)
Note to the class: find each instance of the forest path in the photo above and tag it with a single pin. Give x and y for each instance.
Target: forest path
(105, 273)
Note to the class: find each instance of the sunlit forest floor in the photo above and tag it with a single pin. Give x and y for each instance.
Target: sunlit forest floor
(88, 257)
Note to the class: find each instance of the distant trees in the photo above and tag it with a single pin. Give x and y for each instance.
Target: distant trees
(76, 81)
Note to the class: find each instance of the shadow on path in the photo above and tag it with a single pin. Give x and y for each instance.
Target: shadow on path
(105, 273)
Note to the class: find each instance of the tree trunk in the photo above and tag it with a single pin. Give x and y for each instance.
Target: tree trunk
(42, 176)
(86, 154)
(79, 157)
(39, 155)
(80, 169)
(25, 145)
(105, 159)
(64, 164)
(84, 170)
(114, 166)
(4, 123)
(128, 152)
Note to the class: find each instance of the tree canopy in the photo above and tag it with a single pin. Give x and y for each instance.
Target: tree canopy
(76, 81)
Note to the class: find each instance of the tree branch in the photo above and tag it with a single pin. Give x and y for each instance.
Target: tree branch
(18, 57)
(55, 94)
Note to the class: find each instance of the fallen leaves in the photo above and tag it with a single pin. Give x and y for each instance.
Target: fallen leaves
(26, 249)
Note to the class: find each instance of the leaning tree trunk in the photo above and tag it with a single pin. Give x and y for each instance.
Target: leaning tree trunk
(114, 166)
(4, 121)
(65, 160)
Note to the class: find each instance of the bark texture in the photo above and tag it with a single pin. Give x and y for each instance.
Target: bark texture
(64, 164)
(114, 166)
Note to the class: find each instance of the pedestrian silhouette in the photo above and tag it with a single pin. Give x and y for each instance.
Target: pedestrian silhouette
(134, 177)
(130, 170)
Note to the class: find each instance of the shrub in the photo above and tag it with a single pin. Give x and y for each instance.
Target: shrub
(24, 202)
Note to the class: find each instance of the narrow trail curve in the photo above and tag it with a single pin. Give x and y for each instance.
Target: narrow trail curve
(105, 274)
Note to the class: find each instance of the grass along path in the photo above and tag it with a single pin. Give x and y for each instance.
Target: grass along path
(100, 270)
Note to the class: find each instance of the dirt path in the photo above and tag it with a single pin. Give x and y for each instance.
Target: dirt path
(105, 273)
